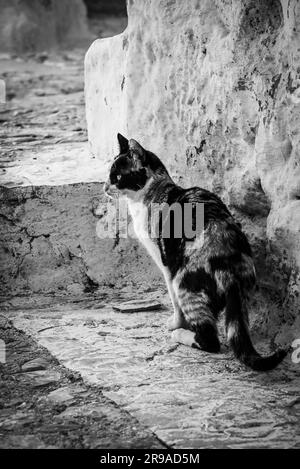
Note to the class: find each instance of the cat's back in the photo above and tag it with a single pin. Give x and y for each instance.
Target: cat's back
(214, 208)
(225, 247)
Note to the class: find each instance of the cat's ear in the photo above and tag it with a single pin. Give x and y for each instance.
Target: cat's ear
(123, 143)
(138, 150)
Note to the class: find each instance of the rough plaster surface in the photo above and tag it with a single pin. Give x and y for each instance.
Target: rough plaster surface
(33, 25)
(189, 399)
(213, 87)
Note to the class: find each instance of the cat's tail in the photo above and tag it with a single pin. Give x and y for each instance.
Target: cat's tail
(238, 334)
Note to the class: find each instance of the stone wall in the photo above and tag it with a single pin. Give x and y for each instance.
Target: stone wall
(33, 25)
(50, 243)
(213, 87)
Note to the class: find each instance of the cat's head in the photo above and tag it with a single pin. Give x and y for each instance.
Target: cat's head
(132, 169)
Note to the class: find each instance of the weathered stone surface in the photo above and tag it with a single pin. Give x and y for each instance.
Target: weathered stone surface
(29, 419)
(35, 365)
(188, 398)
(213, 87)
(38, 24)
(49, 242)
(40, 379)
(134, 306)
(48, 238)
(51, 195)
(61, 395)
(24, 442)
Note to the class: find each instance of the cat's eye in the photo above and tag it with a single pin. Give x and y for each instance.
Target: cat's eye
(119, 177)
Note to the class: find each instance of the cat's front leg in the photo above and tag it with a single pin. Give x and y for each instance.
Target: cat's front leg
(176, 321)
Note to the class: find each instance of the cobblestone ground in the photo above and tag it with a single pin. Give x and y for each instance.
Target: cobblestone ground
(45, 405)
(43, 137)
(42, 124)
(188, 398)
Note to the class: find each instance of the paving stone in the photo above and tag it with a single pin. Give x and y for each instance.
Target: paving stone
(43, 378)
(35, 365)
(134, 306)
(28, 419)
(61, 395)
(18, 419)
(188, 398)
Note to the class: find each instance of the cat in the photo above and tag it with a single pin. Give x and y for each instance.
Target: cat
(204, 275)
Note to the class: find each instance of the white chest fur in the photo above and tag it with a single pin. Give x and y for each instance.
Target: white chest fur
(139, 214)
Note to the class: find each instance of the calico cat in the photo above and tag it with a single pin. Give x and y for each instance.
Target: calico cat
(204, 275)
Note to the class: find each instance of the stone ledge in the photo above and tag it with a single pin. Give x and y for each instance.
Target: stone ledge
(49, 242)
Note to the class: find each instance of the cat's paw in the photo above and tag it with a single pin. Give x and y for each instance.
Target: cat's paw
(174, 323)
(185, 337)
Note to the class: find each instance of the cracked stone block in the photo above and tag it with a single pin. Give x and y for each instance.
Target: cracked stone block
(49, 243)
